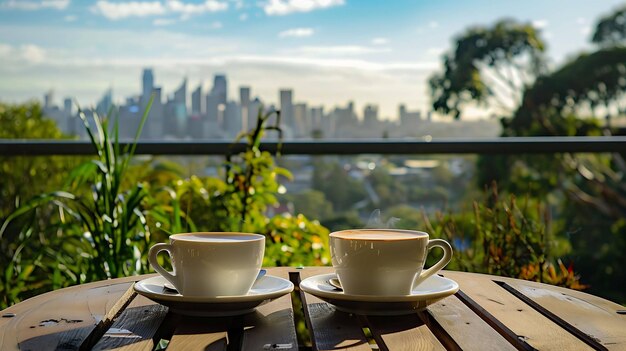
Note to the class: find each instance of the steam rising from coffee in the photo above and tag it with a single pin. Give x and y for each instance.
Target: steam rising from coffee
(375, 221)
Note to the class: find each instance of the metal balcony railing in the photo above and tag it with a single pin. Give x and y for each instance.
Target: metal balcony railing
(512, 145)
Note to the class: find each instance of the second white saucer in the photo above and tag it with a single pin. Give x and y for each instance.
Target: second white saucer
(428, 292)
(264, 290)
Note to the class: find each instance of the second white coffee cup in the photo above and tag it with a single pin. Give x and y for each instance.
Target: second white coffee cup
(211, 264)
(383, 262)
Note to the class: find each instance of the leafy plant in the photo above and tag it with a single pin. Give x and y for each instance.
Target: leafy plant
(99, 220)
(505, 238)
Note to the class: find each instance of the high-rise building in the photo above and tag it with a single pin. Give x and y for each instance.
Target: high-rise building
(180, 95)
(196, 101)
(178, 109)
(244, 96)
(316, 115)
(286, 108)
(67, 106)
(244, 102)
(211, 107)
(253, 112)
(147, 84)
(370, 116)
(409, 118)
(301, 120)
(48, 99)
(156, 118)
(345, 120)
(232, 119)
(106, 103)
(220, 89)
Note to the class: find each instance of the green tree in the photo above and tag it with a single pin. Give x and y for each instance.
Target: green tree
(332, 179)
(311, 203)
(488, 66)
(611, 29)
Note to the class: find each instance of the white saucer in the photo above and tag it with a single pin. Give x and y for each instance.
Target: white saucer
(428, 292)
(264, 290)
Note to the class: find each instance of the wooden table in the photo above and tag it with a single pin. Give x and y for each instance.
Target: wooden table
(488, 313)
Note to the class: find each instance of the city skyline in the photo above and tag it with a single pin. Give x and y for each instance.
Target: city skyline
(209, 112)
(329, 51)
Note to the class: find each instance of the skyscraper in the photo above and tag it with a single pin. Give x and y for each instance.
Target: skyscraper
(220, 88)
(104, 105)
(370, 116)
(301, 120)
(211, 108)
(67, 106)
(196, 101)
(244, 97)
(179, 108)
(232, 119)
(148, 84)
(47, 98)
(286, 108)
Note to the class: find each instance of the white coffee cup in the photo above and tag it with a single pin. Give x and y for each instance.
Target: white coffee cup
(383, 262)
(211, 264)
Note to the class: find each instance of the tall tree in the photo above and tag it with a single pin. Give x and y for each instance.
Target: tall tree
(489, 66)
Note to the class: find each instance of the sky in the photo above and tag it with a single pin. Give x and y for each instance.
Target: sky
(329, 52)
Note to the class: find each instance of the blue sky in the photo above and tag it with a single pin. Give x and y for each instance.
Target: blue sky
(328, 51)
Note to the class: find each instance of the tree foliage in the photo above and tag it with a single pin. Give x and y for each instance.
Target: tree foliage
(489, 66)
(595, 81)
(611, 29)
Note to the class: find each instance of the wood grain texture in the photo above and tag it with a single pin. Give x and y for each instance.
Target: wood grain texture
(402, 333)
(468, 330)
(272, 326)
(201, 334)
(331, 329)
(60, 320)
(593, 316)
(135, 328)
(525, 322)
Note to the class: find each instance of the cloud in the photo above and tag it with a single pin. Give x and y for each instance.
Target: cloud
(31, 5)
(27, 53)
(163, 21)
(119, 10)
(217, 25)
(285, 7)
(540, 24)
(187, 9)
(243, 17)
(433, 24)
(296, 33)
(70, 18)
(341, 50)
(380, 41)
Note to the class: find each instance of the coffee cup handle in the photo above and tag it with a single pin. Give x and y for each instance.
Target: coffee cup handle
(152, 258)
(447, 256)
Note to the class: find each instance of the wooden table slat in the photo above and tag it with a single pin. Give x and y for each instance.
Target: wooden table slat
(60, 320)
(135, 328)
(272, 326)
(201, 334)
(589, 314)
(402, 333)
(528, 324)
(331, 329)
(467, 329)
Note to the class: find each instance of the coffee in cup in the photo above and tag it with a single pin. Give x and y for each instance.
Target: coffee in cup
(211, 264)
(383, 262)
